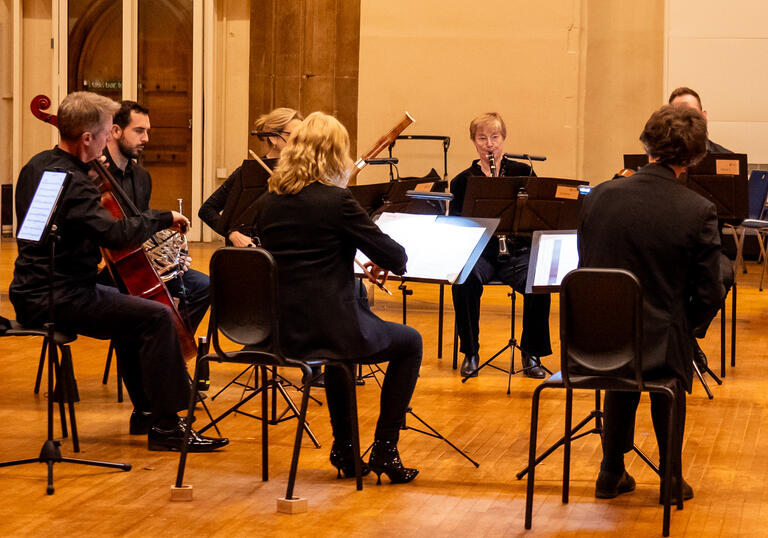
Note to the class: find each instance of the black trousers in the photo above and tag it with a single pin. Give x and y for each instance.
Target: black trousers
(192, 290)
(619, 428)
(514, 272)
(404, 357)
(147, 345)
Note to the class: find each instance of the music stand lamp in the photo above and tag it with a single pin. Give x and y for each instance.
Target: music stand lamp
(38, 227)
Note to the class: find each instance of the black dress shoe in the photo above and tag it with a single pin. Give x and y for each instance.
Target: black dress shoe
(343, 459)
(172, 439)
(532, 367)
(469, 366)
(687, 492)
(609, 485)
(140, 423)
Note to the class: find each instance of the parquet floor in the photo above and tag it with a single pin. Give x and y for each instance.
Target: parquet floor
(725, 446)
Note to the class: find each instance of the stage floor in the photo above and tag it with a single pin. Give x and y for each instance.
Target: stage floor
(725, 442)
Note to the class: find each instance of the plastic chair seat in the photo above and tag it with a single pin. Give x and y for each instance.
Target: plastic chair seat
(60, 338)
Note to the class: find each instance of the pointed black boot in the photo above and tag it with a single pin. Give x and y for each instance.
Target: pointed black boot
(386, 459)
(342, 458)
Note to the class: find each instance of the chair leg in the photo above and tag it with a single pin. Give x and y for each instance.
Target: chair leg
(202, 350)
(567, 443)
(306, 380)
(41, 365)
(68, 392)
(722, 338)
(108, 364)
(455, 346)
(350, 371)
(62, 412)
(733, 327)
(264, 424)
(532, 456)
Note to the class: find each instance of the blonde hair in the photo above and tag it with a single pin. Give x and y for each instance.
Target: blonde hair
(83, 111)
(489, 118)
(277, 120)
(318, 150)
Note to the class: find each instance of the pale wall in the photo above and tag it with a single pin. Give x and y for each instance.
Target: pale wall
(447, 62)
(720, 50)
(623, 80)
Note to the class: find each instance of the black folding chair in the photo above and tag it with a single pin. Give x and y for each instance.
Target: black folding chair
(601, 334)
(66, 387)
(244, 309)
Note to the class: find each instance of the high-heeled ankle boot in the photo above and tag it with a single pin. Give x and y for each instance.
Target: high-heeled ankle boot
(386, 459)
(342, 459)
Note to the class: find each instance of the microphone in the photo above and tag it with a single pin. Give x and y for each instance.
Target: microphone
(525, 157)
(389, 160)
(263, 135)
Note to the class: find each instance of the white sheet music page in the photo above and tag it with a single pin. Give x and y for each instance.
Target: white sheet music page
(436, 249)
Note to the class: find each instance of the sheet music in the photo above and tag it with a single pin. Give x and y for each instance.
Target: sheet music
(558, 254)
(436, 249)
(43, 203)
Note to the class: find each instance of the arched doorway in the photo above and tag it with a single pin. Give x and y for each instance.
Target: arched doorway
(164, 51)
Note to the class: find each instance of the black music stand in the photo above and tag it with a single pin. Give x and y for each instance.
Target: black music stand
(448, 259)
(498, 198)
(446, 140)
(38, 227)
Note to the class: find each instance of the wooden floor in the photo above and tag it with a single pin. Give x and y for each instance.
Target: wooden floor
(724, 456)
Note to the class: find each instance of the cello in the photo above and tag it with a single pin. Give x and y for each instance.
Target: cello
(129, 266)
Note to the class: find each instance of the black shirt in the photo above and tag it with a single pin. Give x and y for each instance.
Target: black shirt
(211, 210)
(135, 181)
(83, 224)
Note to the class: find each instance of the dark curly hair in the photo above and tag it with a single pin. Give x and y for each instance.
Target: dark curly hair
(123, 115)
(675, 135)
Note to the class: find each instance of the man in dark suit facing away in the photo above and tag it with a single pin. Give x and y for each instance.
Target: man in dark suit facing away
(666, 234)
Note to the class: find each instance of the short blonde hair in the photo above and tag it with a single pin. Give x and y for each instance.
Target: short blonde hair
(277, 120)
(318, 150)
(489, 118)
(83, 111)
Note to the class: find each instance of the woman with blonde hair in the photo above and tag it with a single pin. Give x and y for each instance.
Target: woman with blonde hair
(313, 226)
(281, 121)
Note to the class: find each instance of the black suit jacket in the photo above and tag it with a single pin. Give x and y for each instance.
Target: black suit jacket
(666, 234)
(313, 236)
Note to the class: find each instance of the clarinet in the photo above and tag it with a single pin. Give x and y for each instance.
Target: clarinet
(503, 251)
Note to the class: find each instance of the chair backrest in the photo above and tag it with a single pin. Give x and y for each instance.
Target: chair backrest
(758, 191)
(601, 331)
(244, 298)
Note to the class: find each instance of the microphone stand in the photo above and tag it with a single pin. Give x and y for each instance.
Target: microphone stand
(50, 453)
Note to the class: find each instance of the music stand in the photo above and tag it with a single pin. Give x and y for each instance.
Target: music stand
(39, 227)
(440, 250)
(719, 177)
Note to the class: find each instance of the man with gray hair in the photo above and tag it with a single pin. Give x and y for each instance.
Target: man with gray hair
(150, 355)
